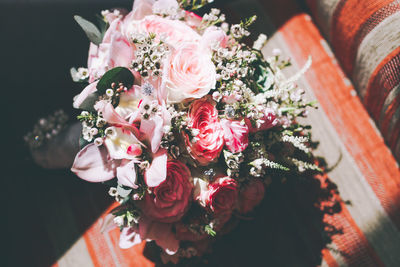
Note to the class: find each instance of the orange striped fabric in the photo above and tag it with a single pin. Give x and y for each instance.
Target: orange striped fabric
(351, 122)
(366, 39)
(104, 250)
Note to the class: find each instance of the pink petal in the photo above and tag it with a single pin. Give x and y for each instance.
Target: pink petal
(235, 135)
(157, 172)
(126, 174)
(153, 131)
(111, 116)
(93, 55)
(91, 88)
(121, 53)
(141, 8)
(91, 164)
(214, 34)
(128, 238)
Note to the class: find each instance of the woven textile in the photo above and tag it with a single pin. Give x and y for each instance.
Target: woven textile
(365, 36)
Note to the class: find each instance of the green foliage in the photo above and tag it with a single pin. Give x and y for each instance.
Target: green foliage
(248, 22)
(193, 4)
(208, 229)
(91, 31)
(88, 103)
(82, 142)
(116, 75)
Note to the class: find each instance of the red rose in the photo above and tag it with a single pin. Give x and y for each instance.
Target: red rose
(168, 201)
(206, 146)
(251, 196)
(222, 195)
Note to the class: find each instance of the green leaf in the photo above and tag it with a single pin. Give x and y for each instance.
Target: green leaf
(116, 75)
(82, 142)
(74, 76)
(88, 103)
(90, 29)
(123, 192)
(103, 25)
(208, 229)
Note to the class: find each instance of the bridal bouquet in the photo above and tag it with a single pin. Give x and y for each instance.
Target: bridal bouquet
(185, 122)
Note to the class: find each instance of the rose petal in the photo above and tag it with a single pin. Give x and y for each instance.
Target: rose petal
(214, 35)
(235, 135)
(91, 164)
(141, 8)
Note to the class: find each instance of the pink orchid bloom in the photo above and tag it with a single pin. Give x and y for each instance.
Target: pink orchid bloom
(112, 117)
(157, 172)
(151, 129)
(93, 165)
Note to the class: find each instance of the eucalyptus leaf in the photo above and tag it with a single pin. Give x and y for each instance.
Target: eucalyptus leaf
(103, 25)
(82, 142)
(116, 75)
(123, 192)
(92, 32)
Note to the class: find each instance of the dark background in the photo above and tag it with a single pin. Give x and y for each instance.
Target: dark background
(39, 43)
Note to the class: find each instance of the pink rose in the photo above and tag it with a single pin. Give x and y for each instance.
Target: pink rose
(203, 117)
(189, 73)
(214, 35)
(192, 19)
(251, 196)
(174, 32)
(114, 51)
(236, 135)
(169, 201)
(221, 196)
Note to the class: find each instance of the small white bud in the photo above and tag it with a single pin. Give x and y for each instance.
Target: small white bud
(112, 192)
(276, 52)
(110, 92)
(100, 122)
(98, 141)
(110, 132)
(217, 96)
(94, 131)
